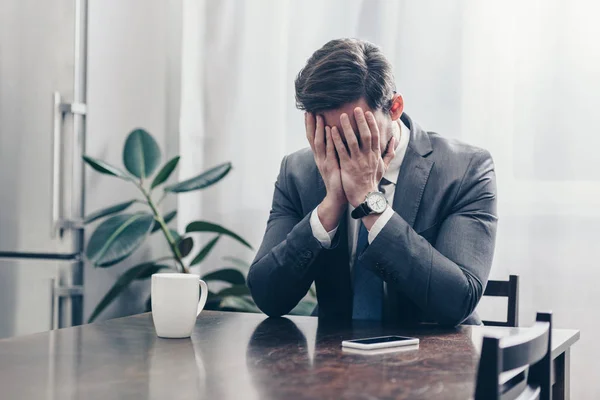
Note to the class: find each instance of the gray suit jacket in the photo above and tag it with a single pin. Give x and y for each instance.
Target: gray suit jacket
(435, 253)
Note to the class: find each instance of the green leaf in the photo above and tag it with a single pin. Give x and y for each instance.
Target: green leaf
(106, 168)
(235, 290)
(204, 226)
(230, 275)
(204, 252)
(141, 154)
(120, 285)
(201, 181)
(234, 303)
(304, 308)
(117, 237)
(151, 270)
(168, 218)
(212, 302)
(107, 211)
(238, 262)
(165, 172)
(185, 246)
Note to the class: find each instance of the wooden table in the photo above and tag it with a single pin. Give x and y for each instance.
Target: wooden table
(246, 356)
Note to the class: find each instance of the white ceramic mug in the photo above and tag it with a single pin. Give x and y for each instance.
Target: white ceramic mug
(175, 304)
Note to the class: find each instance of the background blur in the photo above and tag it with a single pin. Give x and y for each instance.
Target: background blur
(213, 80)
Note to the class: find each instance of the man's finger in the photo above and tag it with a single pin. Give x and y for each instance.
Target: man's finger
(363, 129)
(349, 134)
(309, 124)
(374, 130)
(319, 138)
(339, 145)
(329, 145)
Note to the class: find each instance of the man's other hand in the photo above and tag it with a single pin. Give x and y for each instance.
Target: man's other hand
(319, 137)
(362, 165)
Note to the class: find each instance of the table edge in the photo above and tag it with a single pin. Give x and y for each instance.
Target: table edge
(574, 338)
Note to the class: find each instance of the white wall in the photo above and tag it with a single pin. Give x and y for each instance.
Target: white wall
(133, 81)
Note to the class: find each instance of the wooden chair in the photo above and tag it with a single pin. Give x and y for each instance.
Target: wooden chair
(528, 357)
(510, 289)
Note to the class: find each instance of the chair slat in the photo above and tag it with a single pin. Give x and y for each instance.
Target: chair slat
(497, 289)
(496, 323)
(527, 348)
(509, 289)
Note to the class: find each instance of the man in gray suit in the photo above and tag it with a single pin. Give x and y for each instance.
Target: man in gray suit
(391, 222)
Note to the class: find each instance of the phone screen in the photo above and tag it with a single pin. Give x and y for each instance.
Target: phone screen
(382, 339)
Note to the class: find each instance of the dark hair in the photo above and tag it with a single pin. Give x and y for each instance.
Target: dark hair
(343, 71)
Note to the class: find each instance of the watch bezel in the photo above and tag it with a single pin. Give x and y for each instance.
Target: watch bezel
(369, 200)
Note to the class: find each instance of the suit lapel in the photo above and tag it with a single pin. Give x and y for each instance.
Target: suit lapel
(411, 185)
(414, 173)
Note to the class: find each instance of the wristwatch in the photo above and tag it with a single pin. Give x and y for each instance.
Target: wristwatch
(375, 203)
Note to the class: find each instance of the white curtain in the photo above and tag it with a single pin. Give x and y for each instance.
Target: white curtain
(520, 78)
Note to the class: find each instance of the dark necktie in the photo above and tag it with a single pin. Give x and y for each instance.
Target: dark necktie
(368, 287)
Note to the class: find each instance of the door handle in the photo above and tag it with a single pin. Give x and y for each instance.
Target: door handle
(56, 162)
(59, 110)
(57, 294)
(53, 300)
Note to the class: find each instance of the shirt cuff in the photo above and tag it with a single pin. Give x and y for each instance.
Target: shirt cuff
(319, 232)
(380, 223)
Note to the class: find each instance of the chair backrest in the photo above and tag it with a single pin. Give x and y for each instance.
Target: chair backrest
(517, 366)
(510, 289)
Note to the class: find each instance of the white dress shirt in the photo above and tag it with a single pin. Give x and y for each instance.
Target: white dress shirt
(392, 173)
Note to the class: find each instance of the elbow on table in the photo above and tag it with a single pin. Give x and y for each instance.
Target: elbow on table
(271, 309)
(452, 320)
(262, 298)
(462, 308)
(266, 305)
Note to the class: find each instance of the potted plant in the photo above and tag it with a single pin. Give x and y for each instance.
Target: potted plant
(121, 232)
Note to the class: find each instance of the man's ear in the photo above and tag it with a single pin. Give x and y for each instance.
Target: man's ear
(397, 107)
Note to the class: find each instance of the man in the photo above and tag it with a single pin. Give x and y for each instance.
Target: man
(391, 222)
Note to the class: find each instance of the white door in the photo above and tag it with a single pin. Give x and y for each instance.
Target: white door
(38, 58)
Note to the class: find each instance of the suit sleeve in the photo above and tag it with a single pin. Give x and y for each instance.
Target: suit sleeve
(446, 280)
(284, 267)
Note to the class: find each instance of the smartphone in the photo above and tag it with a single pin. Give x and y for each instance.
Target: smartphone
(380, 342)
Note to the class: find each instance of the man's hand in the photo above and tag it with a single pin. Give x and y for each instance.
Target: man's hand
(361, 163)
(319, 137)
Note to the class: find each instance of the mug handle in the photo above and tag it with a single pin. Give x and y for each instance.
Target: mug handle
(203, 297)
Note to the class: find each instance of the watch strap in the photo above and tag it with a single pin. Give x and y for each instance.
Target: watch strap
(361, 211)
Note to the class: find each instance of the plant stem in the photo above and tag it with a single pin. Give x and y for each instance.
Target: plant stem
(161, 198)
(163, 226)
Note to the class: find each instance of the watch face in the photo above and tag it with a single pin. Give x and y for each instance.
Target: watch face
(376, 201)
